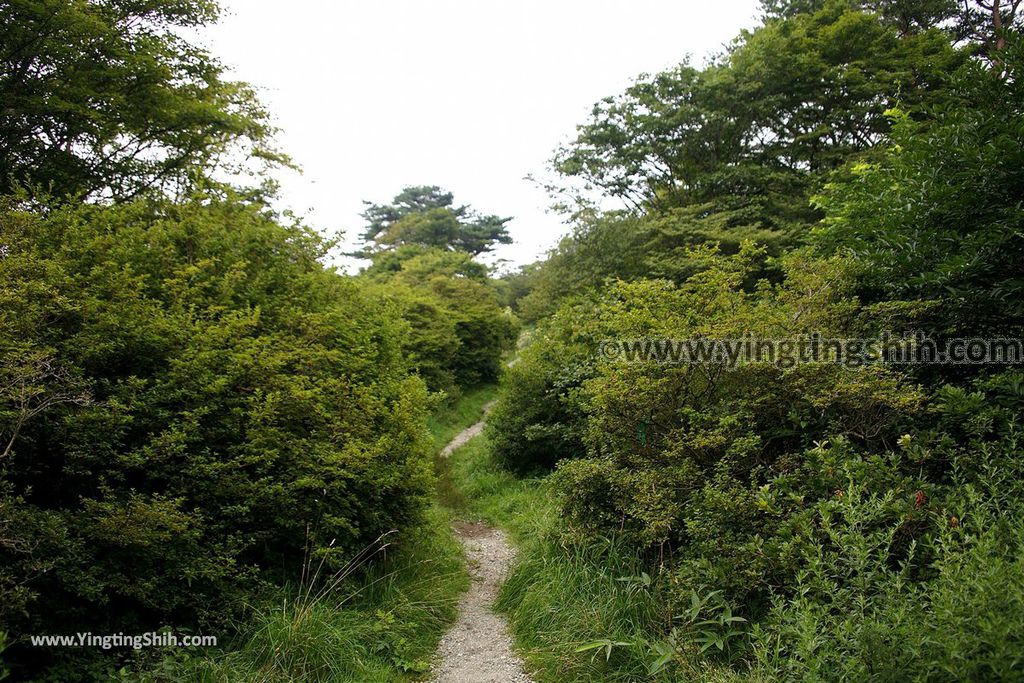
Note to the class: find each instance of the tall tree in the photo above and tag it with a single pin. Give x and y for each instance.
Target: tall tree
(982, 24)
(790, 102)
(107, 99)
(936, 218)
(427, 216)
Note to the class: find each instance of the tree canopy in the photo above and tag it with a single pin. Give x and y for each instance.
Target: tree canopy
(109, 100)
(427, 216)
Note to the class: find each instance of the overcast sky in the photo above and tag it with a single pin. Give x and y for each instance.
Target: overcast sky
(473, 96)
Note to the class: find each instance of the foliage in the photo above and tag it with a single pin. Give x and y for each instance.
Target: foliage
(108, 99)
(861, 521)
(192, 407)
(856, 613)
(381, 621)
(864, 606)
(678, 455)
(537, 420)
(983, 25)
(936, 220)
(423, 265)
(427, 216)
(612, 245)
(733, 151)
(746, 135)
(457, 330)
(208, 403)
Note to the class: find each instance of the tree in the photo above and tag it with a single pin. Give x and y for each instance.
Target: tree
(735, 151)
(750, 136)
(908, 16)
(982, 24)
(426, 216)
(988, 23)
(936, 220)
(31, 383)
(107, 99)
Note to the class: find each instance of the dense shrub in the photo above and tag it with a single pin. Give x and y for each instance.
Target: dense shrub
(191, 402)
(868, 604)
(458, 331)
(431, 343)
(678, 455)
(539, 417)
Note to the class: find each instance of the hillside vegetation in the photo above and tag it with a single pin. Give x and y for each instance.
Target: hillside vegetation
(206, 428)
(844, 171)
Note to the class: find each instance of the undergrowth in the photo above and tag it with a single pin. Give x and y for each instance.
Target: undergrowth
(578, 611)
(380, 623)
(591, 609)
(379, 619)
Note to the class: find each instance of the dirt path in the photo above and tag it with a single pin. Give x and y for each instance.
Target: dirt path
(478, 648)
(466, 434)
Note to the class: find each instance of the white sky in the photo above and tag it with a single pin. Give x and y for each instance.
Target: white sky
(375, 95)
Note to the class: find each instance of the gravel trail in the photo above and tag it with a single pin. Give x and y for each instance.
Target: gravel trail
(478, 648)
(466, 434)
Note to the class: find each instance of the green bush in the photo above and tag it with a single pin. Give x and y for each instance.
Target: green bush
(538, 418)
(678, 455)
(951, 608)
(192, 403)
(458, 331)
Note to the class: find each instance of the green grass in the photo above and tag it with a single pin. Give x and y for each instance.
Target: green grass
(558, 597)
(381, 623)
(452, 417)
(486, 492)
(447, 422)
(564, 595)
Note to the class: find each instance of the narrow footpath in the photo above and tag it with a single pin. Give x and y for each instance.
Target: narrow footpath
(478, 648)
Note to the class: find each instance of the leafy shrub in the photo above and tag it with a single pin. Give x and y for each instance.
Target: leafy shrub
(457, 330)
(709, 464)
(948, 609)
(192, 403)
(539, 418)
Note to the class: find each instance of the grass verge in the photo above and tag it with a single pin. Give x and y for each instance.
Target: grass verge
(473, 486)
(578, 611)
(452, 417)
(383, 623)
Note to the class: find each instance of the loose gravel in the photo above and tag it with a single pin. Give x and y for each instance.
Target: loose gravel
(466, 434)
(478, 648)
